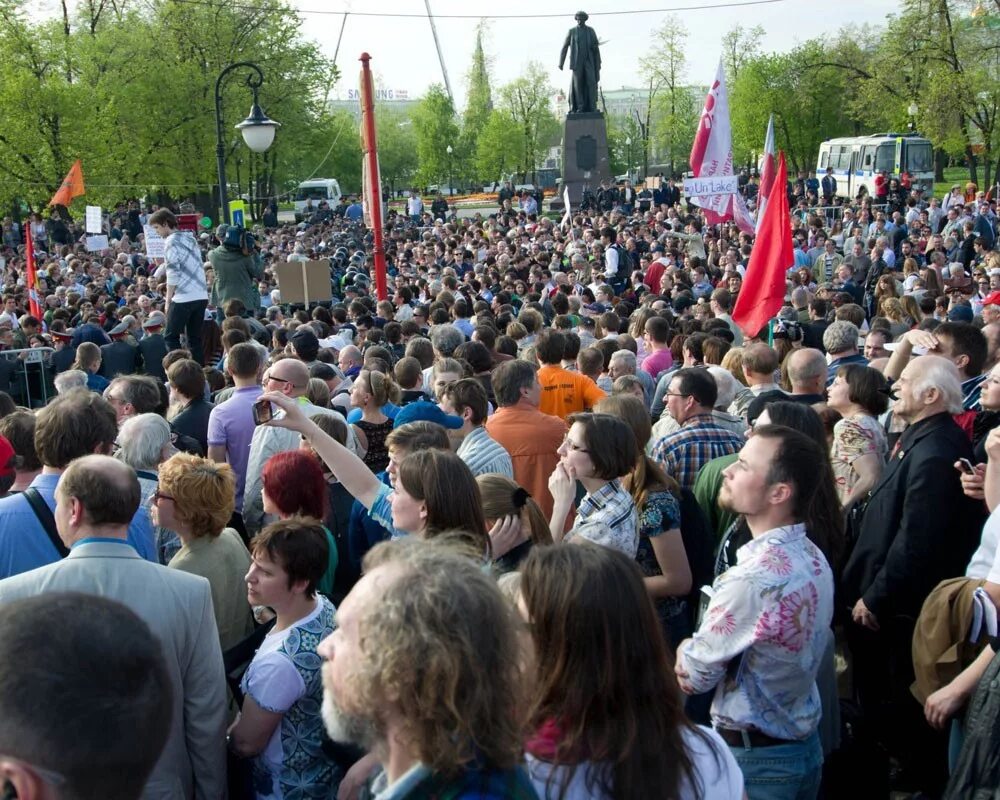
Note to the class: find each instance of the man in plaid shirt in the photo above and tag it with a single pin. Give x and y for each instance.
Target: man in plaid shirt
(690, 399)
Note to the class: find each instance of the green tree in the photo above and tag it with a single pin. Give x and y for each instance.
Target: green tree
(498, 147)
(397, 148)
(83, 86)
(479, 100)
(526, 100)
(435, 128)
(671, 111)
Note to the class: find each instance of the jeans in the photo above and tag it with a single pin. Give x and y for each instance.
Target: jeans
(782, 772)
(186, 318)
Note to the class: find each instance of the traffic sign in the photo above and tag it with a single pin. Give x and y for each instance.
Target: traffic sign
(237, 211)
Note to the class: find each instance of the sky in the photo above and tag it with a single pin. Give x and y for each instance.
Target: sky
(404, 56)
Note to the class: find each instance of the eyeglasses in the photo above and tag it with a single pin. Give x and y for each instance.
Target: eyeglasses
(158, 496)
(276, 378)
(676, 394)
(571, 445)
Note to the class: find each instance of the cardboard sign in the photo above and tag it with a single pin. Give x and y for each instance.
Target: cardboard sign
(304, 281)
(94, 220)
(97, 243)
(712, 185)
(156, 246)
(188, 222)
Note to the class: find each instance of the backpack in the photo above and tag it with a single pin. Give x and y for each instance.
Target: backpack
(620, 280)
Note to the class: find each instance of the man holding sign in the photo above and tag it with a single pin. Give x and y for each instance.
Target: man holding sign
(187, 292)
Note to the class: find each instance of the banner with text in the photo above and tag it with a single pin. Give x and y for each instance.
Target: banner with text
(711, 185)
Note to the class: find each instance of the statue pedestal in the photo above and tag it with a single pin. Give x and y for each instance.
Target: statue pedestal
(585, 155)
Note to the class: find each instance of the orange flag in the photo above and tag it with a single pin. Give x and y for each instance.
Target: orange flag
(72, 186)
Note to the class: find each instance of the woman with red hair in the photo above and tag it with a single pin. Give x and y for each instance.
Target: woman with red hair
(293, 485)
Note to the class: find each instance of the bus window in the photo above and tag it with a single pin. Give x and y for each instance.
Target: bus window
(885, 158)
(869, 157)
(824, 158)
(919, 158)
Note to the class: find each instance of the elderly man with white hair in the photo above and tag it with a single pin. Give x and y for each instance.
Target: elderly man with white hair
(69, 380)
(144, 442)
(624, 362)
(918, 529)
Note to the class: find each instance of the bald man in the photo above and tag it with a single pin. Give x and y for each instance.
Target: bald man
(807, 376)
(96, 499)
(290, 377)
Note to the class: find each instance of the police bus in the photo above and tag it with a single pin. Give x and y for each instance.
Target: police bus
(856, 160)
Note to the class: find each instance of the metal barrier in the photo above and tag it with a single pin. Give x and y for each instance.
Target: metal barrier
(33, 375)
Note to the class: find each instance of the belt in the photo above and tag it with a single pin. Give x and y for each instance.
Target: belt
(749, 739)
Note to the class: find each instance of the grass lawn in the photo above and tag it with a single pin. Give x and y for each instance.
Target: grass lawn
(952, 175)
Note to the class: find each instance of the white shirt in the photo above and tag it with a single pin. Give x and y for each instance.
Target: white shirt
(713, 764)
(985, 562)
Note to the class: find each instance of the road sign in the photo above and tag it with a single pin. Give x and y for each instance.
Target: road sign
(237, 210)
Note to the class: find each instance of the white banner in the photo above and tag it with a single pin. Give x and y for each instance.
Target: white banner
(155, 244)
(97, 243)
(705, 188)
(94, 221)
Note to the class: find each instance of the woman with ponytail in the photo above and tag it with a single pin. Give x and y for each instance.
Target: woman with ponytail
(515, 521)
(371, 391)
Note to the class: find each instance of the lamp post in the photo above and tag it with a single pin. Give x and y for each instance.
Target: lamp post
(628, 166)
(912, 111)
(449, 150)
(257, 129)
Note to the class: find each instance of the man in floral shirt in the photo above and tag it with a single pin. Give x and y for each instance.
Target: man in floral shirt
(767, 627)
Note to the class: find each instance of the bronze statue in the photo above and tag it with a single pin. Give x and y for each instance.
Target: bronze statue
(585, 61)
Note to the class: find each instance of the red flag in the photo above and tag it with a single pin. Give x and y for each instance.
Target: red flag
(764, 286)
(34, 304)
(766, 172)
(72, 186)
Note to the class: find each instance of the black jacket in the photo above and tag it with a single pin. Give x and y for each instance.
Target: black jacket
(119, 358)
(918, 528)
(153, 349)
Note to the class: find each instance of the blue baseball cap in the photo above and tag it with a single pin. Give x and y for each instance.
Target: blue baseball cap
(424, 411)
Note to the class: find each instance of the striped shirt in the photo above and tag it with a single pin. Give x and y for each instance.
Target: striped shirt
(684, 452)
(185, 267)
(483, 455)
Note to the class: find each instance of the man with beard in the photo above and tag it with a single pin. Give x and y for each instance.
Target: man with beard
(767, 627)
(440, 731)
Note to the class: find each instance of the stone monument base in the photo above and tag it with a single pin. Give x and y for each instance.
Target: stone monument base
(585, 156)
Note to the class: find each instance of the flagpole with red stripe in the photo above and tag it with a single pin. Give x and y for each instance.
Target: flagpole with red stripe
(766, 172)
(34, 305)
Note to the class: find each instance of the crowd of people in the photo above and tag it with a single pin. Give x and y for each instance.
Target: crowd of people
(546, 522)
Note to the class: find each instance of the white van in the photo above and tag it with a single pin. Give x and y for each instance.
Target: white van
(317, 189)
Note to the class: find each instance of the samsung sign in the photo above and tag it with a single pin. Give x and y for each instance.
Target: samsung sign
(381, 94)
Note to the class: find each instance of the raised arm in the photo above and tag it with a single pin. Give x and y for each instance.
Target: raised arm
(346, 467)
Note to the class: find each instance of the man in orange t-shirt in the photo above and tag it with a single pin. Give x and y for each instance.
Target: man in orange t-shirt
(563, 392)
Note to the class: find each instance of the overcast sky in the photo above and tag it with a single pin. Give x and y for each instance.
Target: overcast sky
(404, 56)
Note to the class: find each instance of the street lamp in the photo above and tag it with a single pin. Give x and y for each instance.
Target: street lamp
(450, 188)
(628, 167)
(257, 129)
(912, 111)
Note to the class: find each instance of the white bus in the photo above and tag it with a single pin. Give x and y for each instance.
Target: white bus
(856, 160)
(316, 190)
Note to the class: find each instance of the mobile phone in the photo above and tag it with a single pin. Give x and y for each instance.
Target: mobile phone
(263, 412)
(966, 466)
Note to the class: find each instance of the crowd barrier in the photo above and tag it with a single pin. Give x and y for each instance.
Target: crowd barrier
(30, 383)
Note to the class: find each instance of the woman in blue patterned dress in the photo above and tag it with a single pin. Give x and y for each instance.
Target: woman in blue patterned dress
(661, 554)
(280, 724)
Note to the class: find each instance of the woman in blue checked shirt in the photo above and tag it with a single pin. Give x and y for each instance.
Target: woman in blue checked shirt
(598, 451)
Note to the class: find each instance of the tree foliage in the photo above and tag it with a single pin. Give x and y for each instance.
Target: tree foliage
(436, 129)
(129, 87)
(526, 100)
(672, 111)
